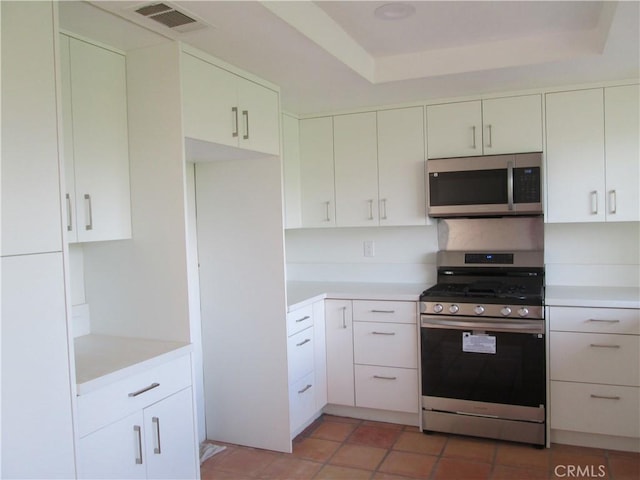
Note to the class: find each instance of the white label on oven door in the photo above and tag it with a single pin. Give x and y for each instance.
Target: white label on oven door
(478, 343)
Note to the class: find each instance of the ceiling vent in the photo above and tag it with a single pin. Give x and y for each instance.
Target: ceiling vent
(170, 17)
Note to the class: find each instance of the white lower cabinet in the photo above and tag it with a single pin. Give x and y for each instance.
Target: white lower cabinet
(140, 427)
(385, 343)
(307, 369)
(339, 338)
(594, 372)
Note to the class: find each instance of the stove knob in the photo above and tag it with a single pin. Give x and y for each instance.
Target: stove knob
(437, 308)
(454, 308)
(479, 309)
(523, 312)
(506, 311)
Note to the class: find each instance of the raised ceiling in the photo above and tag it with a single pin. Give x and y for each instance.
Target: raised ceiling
(338, 55)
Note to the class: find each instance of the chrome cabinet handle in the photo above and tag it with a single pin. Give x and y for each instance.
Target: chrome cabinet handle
(69, 218)
(473, 132)
(383, 333)
(234, 112)
(306, 340)
(326, 206)
(383, 311)
(594, 202)
(344, 317)
(245, 114)
(613, 207)
(383, 207)
(489, 142)
(305, 389)
(138, 431)
(157, 450)
(370, 202)
(307, 317)
(599, 320)
(605, 397)
(602, 345)
(144, 390)
(381, 377)
(88, 212)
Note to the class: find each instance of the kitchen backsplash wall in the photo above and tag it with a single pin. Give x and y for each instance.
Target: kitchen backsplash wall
(593, 254)
(581, 254)
(400, 254)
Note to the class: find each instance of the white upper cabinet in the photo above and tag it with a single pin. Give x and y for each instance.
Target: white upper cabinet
(512, 125)
(401, 183)
(575, 156)
(454, 129)
(291, 171)
(622, 152)
(485, 127)
(30, 170)
(356, 169)
(96, 142)
(317, 190)
(224, 108)
(592, 155)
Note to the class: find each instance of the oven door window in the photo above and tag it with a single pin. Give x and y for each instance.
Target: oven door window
(513, 375)
(475, 187)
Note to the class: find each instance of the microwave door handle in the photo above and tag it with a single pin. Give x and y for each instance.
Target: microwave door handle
(510, 184)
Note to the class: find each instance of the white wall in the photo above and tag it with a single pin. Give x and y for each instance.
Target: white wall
(402, 254)
(593, 254)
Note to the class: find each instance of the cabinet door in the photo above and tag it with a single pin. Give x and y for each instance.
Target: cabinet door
(575, 156)
(401, 163)
(100, 141)
(36, 385)
(317, 172)
(115, 451)
(170, 438)
(67, 132)
(339, 329)
(512, 125)
(259, 111)
(30, 167)
(209, 96)
(454, 129)
(621, 123)
(356, 164)
(291, 171)
(320, 355)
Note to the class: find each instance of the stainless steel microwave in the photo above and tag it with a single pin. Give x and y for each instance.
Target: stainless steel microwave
(493, 185)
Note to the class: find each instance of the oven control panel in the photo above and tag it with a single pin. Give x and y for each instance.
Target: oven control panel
(478, 310)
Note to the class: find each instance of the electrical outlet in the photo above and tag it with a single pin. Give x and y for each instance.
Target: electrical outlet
(369, 248)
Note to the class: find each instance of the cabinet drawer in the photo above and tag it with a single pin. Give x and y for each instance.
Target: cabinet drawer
(384, 311)
(119, 399)
(299, 319)
(603, 409)
(387, 344)
(302, 401)
(595, 358)
(387, 388)
(595, 320)
(300, 353)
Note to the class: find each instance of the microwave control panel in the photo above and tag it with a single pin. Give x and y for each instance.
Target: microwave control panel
(526, 185)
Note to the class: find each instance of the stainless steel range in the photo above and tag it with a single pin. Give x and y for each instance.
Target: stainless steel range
(483, 343)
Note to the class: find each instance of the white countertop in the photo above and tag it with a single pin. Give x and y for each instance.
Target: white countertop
(103, 359)
(606, 297)
(303, 293)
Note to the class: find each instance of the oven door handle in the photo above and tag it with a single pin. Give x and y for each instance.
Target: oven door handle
(514, 326)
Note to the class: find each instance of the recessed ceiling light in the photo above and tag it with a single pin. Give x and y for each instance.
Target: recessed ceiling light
(394, 11)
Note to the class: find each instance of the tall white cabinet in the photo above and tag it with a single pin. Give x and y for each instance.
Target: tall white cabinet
(37, 390)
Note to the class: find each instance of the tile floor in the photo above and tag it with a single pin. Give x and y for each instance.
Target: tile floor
(346, 448)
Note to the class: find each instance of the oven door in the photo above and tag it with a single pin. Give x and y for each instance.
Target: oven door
(492, 368)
